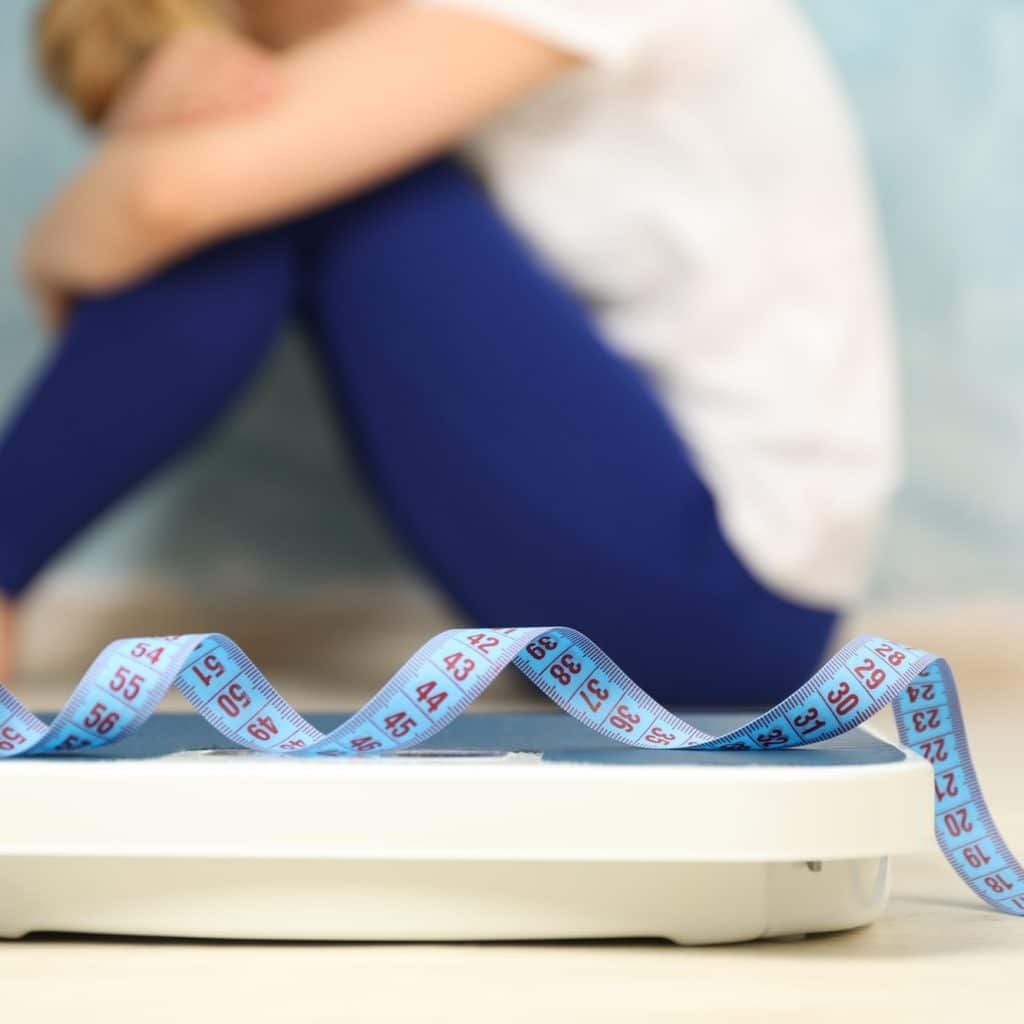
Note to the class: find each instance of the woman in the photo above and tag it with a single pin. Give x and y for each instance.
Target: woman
(633, 376)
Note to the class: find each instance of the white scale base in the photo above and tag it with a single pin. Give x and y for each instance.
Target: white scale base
(575, 838)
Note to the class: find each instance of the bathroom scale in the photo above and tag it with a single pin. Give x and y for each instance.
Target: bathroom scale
(503, 826)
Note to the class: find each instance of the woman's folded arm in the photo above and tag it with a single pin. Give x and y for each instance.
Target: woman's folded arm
(353, 107)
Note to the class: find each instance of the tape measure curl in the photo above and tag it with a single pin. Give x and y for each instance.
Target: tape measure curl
(126, 683)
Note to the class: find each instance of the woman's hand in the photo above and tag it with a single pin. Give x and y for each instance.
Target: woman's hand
(112, 224)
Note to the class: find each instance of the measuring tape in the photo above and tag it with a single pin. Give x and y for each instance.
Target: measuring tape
(126, 683)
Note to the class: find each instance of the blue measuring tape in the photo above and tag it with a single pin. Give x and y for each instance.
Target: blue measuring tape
(126, 683)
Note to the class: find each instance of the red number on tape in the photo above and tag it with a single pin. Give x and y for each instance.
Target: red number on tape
(597, 691)
(659, 736)
(870, 676)
(890, 654)
(459, 666)
(624, 719)
(233, 700)
(100, 720)
(214, 669)
(809, 722)
(930, 718)
(565, 668)
(73, 742)
(842, 700)
(948, 787)
(143, 651)
(126, 683)
(957, 822)
(975, 856)
(425, 695)
(10, 738)
(399, 724)
(998, 884)
(934, 750)
(365, 743)
(263, 728)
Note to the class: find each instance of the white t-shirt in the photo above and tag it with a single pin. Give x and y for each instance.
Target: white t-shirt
(697, 181)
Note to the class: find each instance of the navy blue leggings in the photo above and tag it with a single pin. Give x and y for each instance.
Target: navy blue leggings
(528, 468)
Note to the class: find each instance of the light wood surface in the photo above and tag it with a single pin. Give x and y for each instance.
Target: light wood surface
(937, 955)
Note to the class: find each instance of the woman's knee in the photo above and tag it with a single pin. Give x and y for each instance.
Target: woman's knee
(228, 290)
(419, 194)
(403, 230)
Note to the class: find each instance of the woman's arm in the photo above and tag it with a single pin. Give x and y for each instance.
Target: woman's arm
(355, 106)
(195, 75)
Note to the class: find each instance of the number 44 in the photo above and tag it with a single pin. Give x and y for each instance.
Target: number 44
(425, 695)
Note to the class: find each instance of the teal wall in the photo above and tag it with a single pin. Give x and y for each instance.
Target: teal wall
(939, 90)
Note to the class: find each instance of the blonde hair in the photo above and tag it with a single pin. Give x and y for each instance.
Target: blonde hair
(88, 49)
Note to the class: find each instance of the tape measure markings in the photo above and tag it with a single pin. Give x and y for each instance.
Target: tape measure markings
(128, 680)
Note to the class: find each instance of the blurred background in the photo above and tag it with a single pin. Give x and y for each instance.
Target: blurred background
(259, 533)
